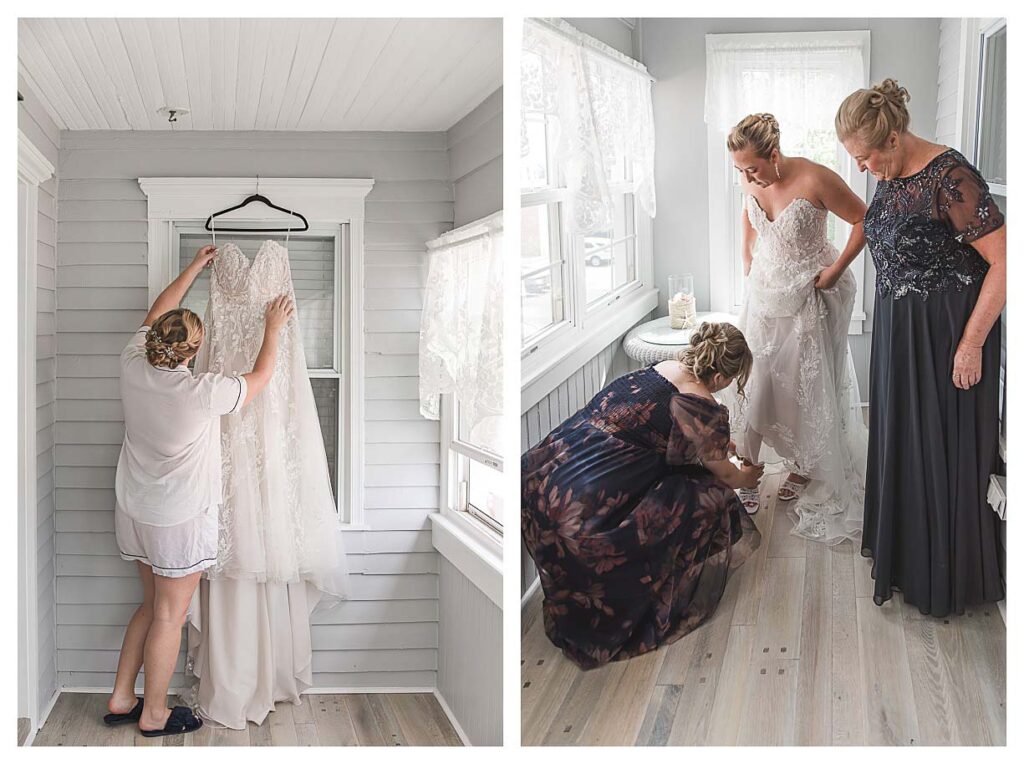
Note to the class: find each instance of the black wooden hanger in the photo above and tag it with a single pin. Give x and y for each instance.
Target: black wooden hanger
(257, 197)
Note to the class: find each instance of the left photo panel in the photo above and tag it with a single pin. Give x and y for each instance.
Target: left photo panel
(260, 378)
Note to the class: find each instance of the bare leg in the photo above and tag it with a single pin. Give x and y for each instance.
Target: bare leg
(171, 600)
(123, 699)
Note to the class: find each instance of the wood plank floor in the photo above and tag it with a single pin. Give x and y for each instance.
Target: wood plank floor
(796, 654)
(321, 720)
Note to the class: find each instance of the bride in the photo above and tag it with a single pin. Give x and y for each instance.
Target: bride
(801, 401)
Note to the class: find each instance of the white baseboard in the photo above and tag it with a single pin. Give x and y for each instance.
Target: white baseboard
(367, 690)
(451, 717)
(529, 592)
(42, 720)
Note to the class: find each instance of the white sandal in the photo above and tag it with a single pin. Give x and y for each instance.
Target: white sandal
(794, 488)
(751, 499)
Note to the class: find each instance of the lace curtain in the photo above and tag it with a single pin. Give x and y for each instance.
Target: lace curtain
(460, 349)
(801, 78)
(600, 102)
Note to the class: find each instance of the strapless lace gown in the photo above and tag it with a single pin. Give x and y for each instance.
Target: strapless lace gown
(802, 397)
(279, 548)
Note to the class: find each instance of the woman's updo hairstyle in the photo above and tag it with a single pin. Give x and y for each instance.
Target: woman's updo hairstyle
(871, 114)
(174, 338)
(720, 348)
(759, 132)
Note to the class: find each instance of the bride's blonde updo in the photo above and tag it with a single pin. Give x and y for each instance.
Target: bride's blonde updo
(759, 132)
(174, 338)
(871, 114)
(718, 348)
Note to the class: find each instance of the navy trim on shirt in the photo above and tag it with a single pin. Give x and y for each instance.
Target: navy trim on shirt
(239, 393)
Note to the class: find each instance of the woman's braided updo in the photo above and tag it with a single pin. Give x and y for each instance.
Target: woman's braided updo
(718, 348)
(759, 132)
(871, 114)
(174, 338)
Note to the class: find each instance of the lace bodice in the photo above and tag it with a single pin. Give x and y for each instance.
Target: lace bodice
(791, 251)
(919, 228)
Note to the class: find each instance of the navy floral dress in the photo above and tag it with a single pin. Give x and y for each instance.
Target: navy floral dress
(927, 523)
(632, 537)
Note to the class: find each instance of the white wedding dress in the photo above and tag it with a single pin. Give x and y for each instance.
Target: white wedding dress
(802, 397)
(279, 547)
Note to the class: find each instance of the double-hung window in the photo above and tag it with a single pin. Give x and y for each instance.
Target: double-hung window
(587, 199)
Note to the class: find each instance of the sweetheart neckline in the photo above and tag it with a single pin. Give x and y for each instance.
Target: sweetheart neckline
(784, 209)
(263, 246)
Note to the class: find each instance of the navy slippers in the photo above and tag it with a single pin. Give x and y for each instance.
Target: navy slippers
(131, 716)
(180, 721)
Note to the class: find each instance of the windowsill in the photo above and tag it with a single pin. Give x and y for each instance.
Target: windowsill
(475, 552)
(551, 372)
(349, 527)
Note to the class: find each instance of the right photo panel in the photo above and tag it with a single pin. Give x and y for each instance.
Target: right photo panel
(763, 343)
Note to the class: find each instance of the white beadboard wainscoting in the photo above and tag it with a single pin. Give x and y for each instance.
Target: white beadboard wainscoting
(386, 636)
(43, 134)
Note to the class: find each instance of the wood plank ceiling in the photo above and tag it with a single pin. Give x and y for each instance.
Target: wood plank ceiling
(261, 74)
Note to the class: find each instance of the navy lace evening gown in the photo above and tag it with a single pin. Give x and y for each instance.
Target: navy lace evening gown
(633, 538)
(927, 523)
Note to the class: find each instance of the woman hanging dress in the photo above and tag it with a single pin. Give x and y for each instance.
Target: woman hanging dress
(633, 539)
(927, 523)
(279, 548)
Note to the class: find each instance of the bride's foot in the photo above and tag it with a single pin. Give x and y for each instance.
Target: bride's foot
(751, 499)
(792, 487)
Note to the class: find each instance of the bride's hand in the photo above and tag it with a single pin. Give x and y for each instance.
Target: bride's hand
(827, 278)
(205, 255)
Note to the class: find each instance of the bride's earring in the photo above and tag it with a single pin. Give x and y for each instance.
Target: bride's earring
(777, 173)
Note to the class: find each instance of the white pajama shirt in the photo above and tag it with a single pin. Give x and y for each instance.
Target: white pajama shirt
(168, 481)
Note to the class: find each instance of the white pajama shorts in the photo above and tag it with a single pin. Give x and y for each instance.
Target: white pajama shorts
(172, 551)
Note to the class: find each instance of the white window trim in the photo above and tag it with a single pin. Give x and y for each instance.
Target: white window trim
(467, 542)
(722, 221)
(549, 359)
(33, 169)
(976, 33)
(325, 202)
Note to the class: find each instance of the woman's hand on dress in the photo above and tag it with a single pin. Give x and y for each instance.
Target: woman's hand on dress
(279, 311)
(827, 278)
(967, 366)
(205, 256)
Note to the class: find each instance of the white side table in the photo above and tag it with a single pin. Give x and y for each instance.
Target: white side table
(656, 341)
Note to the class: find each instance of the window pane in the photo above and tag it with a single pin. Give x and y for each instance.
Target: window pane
(541, 291)
(623, 263)
(325, 394)
(312, 267)
(486, 491)
(533, 164)
(598, 273)
(486, 434)
(992, 132)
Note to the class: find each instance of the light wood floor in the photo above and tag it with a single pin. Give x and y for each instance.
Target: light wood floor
(797, 654)
(329, 720)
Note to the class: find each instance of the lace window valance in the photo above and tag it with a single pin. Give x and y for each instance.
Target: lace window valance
(801, 78)
(600, 102)
(460, 349)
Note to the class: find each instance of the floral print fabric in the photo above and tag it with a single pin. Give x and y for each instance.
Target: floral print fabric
(632, 537)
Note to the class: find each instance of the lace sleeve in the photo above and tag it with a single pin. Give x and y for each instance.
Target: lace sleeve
(965, 204)
(700, 431)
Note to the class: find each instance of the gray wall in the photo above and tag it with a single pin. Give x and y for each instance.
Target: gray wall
(469, 662)
(40, 129)
(469, 669)
(673, 50)
(387, 634)
(621, 34)
(474, 156)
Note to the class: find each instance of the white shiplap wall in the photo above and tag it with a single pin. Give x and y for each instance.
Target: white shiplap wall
(387, 635)
(474, 156)
(469, 668)
(40, 129)
(947, 110)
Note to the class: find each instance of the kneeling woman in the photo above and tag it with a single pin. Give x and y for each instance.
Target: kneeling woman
(629, 507)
